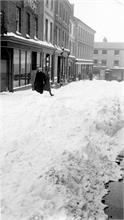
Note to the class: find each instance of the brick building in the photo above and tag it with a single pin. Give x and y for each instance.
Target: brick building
(109, 60)
(22, 45)
(44, 34)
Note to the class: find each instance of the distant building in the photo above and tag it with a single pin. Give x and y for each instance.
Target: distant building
(84, 49)
(109, 60)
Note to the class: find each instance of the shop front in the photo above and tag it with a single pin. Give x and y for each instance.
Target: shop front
(20, 58)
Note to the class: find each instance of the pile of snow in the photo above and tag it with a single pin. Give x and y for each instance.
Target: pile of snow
(58, 152)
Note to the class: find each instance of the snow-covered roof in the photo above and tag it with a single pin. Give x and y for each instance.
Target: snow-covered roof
(36, 41)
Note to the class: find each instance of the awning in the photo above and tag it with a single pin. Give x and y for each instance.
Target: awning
(13, 39)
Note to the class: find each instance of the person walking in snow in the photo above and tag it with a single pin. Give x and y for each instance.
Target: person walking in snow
(47, 85)
(42, 82)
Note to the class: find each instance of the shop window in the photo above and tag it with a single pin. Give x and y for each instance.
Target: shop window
(28, 73)
(28, 24)
(104, 51)
(18, 19)
(116, 52)
(34, 60)
(116, 62)
(38, 60)
(23, 73)
(16, 68)
(95, 51)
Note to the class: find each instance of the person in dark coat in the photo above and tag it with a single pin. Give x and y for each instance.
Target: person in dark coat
(39, 81)
(42, 82)
(47, 86)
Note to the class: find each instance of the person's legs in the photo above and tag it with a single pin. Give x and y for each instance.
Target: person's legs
(50, 92)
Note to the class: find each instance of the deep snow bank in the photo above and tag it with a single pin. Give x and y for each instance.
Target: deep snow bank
(57, 152)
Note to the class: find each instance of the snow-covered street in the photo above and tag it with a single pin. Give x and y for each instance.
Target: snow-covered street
(58, 152)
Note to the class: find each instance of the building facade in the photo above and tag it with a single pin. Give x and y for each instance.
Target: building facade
(44, 34)
(84, 49)
(22, 45)
(109, 60)
(63, 11)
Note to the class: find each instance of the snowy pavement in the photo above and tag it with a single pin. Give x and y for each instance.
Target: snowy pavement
(57, 152)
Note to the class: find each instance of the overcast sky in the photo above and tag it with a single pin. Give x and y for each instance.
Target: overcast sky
(106, 17)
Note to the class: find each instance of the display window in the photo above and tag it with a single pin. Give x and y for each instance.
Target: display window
(16, 68)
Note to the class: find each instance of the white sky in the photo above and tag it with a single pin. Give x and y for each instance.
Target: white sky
(106, 17)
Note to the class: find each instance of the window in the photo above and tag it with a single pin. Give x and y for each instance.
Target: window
(116, 52)
(22, 75)
(95, 61)
(46, 30)
(28, 74)
(51, 4)
(16, 68)
(60, 10)
(95, 51)
(18, 19)
(103, 62)
(34, 60)
(51, 32)
(36, 27)
(47, 3)
(28, 23)
(116, 62)
(57, 7)
(104, 51)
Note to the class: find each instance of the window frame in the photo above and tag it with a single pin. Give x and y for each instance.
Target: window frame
(18, 19)
(104, 51)
(96, 50)
(115, 52)
(115, 63)
(28, 23)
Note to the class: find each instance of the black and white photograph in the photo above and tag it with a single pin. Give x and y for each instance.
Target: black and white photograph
(62, 110)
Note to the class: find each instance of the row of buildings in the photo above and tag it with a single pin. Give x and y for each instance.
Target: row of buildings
(46, 34)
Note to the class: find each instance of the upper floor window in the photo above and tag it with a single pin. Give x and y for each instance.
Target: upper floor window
(36, 27)
(47, 3)
(95, 61)
(57, 7)
(104, 51)
(18, 19)
(60, 10)
(103, 62)
(46, 29)
(116, 52)
(28, 23)
(95, 51)
(51, 4)
(116, 62)
(51, 32)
